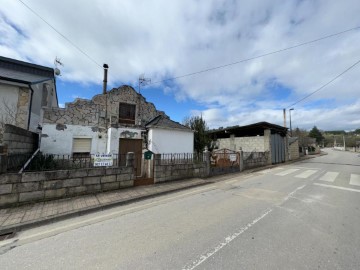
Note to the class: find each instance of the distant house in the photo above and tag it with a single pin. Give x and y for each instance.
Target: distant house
(25, 89)
(167, 136)
(259, 137)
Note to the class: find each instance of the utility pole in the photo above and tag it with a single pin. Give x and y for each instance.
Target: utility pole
(284, 112)
(290, 121)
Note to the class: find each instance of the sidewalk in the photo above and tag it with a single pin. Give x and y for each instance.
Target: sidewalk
(27, 216)
(31, 215)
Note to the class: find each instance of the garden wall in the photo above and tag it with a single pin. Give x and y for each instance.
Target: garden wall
(48, 185)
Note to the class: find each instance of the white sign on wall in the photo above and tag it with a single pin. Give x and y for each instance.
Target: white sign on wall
(232, 157)
(103, 160)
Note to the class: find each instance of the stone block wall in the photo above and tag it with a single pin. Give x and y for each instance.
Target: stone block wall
(164, 171)
(20, 141)
(49, 185)
(294, 150)
(255, 159)
(170, 172)
(247, 144)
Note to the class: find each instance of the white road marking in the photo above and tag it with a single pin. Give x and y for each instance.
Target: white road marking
(306, 174)
(355, 180)
(233, 236)
(287, 172)
(329, 176)
(336, 187)
(227, 240)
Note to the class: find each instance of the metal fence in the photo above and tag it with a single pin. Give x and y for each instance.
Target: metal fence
(44, 162)
(182, 158)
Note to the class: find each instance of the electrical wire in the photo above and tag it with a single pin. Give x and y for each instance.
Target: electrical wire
(326, 84)
(256, 57)
(62, 35)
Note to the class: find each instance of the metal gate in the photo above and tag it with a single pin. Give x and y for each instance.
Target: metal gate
(224, 161)
(277, 149)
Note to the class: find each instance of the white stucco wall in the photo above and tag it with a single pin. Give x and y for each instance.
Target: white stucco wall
(162, 141)
(56, 140)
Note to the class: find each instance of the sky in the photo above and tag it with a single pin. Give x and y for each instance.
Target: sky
(168, 39)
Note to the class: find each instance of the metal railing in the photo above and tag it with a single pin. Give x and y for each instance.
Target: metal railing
(182, 158)
(45, 162)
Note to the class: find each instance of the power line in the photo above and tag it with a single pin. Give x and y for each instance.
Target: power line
(258, 56)
(326, 84)
(63, 36)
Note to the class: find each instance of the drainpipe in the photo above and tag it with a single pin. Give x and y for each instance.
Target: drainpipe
(30, 106)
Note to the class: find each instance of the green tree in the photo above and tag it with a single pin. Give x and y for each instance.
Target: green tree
(315, 133)
(198, 125)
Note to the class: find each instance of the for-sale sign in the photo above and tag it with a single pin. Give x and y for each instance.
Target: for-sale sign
(101, 160)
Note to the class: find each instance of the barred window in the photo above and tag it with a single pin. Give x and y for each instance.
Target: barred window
(127, 113)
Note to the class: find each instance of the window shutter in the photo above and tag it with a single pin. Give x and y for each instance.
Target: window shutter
(81, 145)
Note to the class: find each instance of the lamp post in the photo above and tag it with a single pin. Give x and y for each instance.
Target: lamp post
(290, 121)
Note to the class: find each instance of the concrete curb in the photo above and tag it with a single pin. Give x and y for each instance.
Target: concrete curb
(92, 209)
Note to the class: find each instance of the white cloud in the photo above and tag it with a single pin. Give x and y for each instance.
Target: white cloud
(164, 39)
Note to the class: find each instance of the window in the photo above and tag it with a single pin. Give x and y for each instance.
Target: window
(81, 147)
(127, 113)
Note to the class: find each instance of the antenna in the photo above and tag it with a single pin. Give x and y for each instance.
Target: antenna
(143, 81)
(57, 62)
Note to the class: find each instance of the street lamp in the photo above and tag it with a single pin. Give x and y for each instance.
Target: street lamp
(290, 121)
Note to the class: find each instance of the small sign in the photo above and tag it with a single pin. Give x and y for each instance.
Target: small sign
(101, 160)
(232, 157)
(147, 155)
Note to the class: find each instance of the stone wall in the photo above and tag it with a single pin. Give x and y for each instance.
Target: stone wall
(164, 171)
(40, 186)
(22, 114)
(255, 159)
(294, 150)
(247, 144)
(20, 141)
(94, 112)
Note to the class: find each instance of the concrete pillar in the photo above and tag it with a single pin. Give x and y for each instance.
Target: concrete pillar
(241, 156)
(206, 154)
(267, 144)
(130, 159)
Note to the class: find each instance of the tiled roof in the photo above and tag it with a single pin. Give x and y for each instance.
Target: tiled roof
(162, 121)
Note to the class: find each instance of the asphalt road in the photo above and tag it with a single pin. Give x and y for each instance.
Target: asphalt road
(299, 216)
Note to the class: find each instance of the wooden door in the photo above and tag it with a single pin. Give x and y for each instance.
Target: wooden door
(131, 145)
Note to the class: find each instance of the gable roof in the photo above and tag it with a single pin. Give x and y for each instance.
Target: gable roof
(165, 122)
(248, 130)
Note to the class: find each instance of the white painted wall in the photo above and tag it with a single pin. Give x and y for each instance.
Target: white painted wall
(55, 141)
(162, 141)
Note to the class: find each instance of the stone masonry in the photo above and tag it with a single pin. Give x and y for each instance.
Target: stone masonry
(94, 112)
(41, 186)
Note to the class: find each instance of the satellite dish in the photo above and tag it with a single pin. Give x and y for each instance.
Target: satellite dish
(57, 72)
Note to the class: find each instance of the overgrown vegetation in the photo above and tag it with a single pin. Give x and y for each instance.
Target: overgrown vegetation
(199, 126)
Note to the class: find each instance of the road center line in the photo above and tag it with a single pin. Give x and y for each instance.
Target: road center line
(226, 241)
(233, 236)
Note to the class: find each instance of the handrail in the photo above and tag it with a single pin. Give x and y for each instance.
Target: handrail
(29, 160)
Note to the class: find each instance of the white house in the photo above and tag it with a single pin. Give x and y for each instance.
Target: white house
(166, 136)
